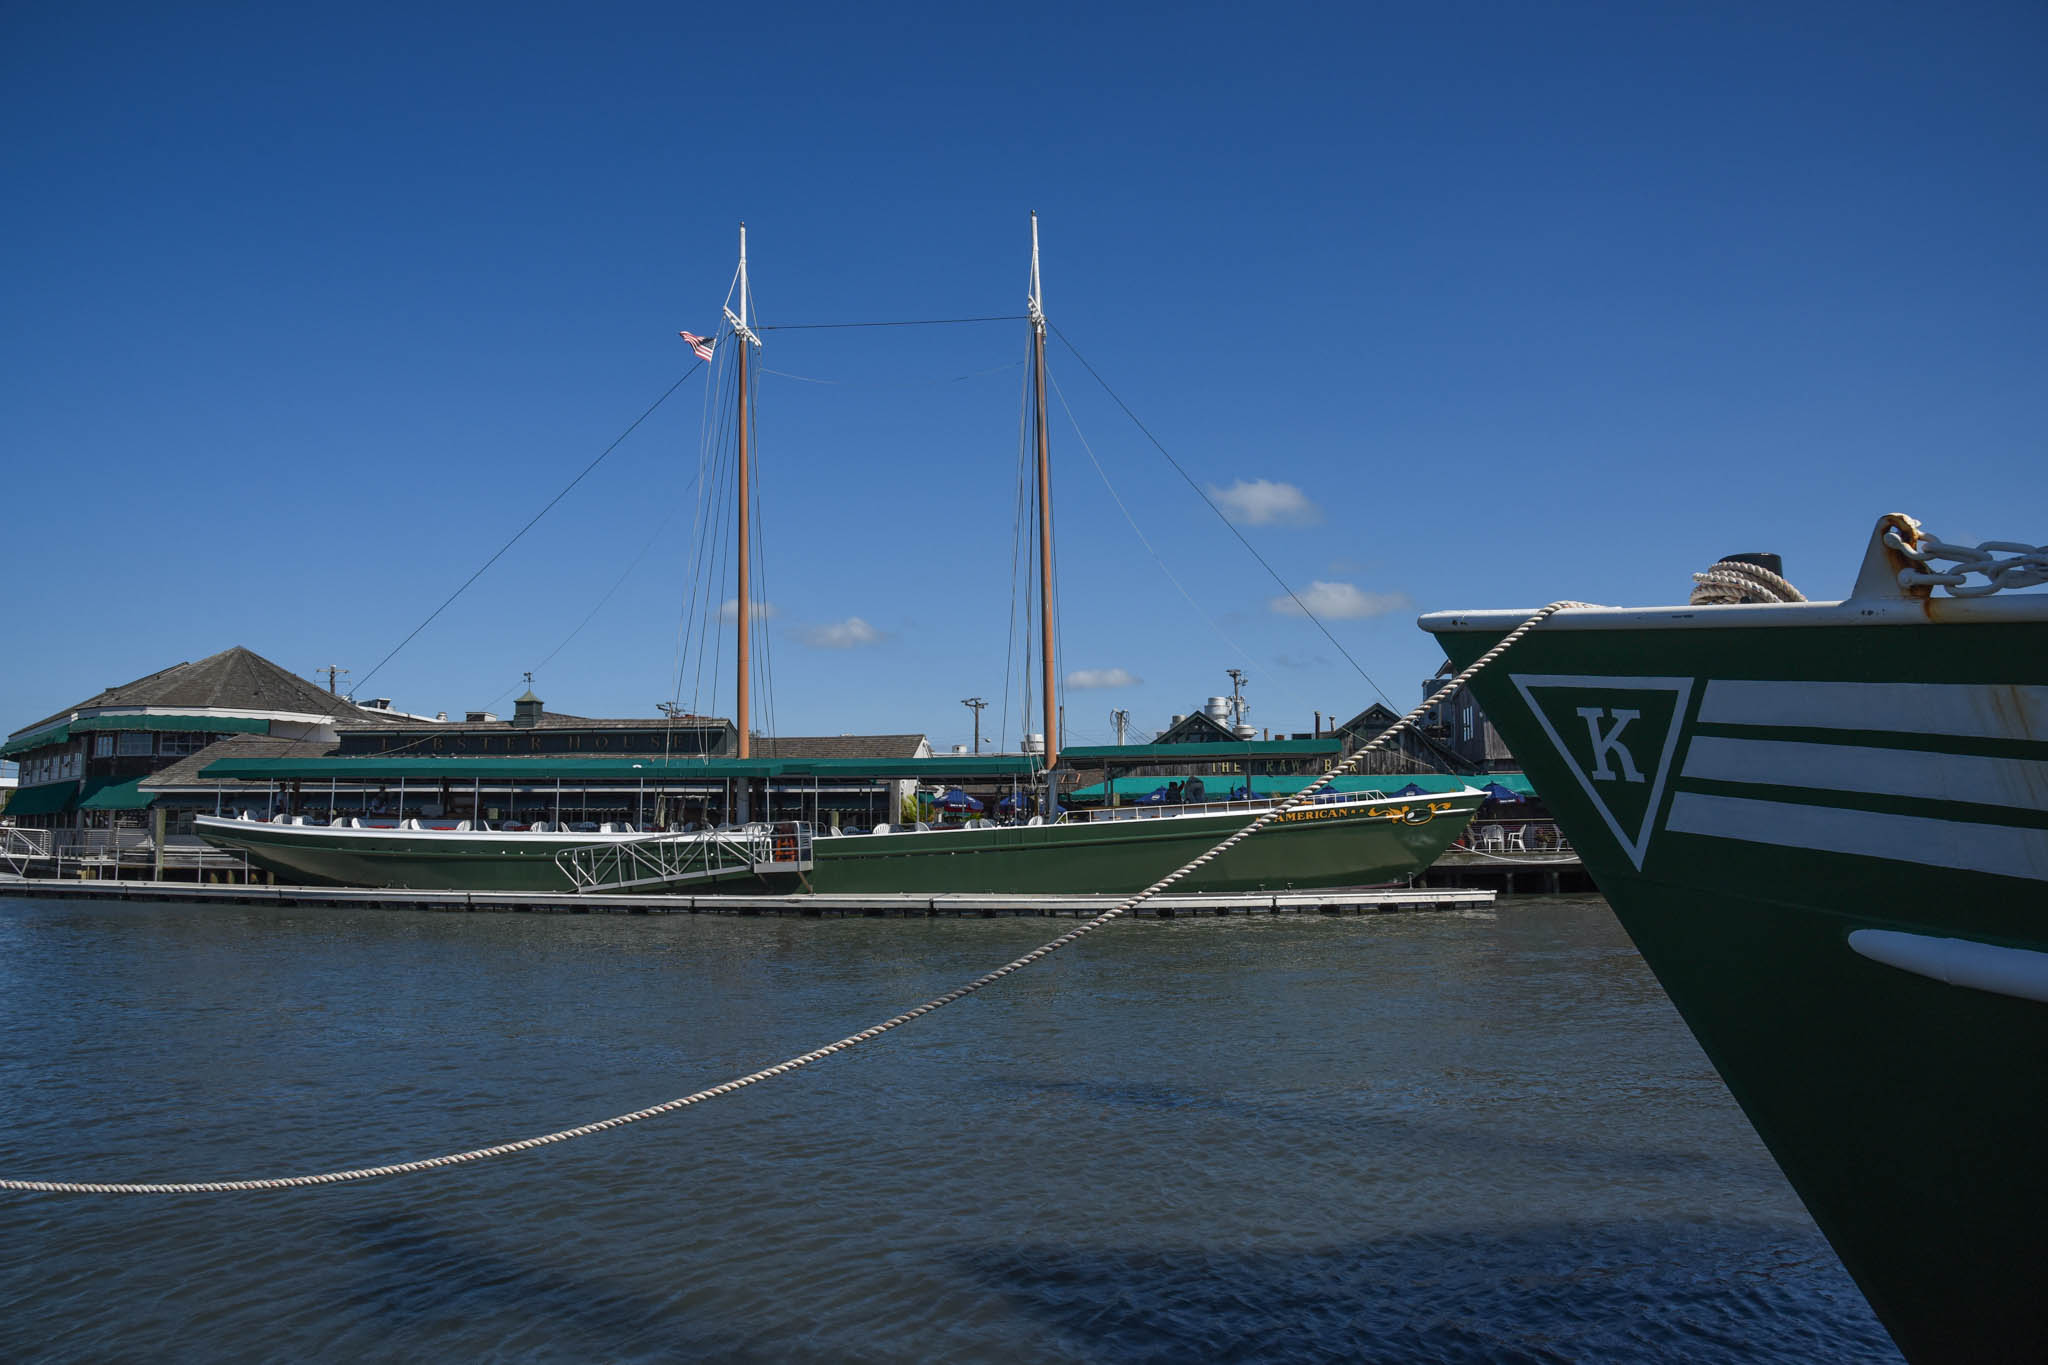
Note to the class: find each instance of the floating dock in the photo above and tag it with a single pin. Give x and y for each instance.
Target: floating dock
(1336, 901)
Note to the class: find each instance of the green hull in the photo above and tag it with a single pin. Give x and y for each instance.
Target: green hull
(1322, 846)
(1749, 797)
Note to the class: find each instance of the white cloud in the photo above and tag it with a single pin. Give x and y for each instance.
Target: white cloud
(729, 610)
(1265, 503)
(1340, 602)
(851, 633)
(1085, 678)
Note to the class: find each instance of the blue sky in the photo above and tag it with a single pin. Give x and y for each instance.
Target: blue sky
(1455, 305)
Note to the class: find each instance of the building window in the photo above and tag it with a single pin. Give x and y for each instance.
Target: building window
(136, 744)
(177, 744)
(102, 746)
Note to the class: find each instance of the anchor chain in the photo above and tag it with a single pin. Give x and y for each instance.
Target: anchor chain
(2025, 566)
(783, 1068)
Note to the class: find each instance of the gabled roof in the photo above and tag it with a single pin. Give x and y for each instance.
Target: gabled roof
(1371, 720)
(839, 746)
(234, 679)
(1198, 727)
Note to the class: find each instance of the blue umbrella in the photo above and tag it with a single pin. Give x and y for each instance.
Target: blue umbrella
(1155, 797)
(1496, 792)
(955, 799)
(1413, 789)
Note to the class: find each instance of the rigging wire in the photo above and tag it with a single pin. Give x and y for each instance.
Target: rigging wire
(897, 384)
(700, 595)
(617, 583)
(913, 322)
(1203, 494)
(1018, 515)
(1117, 498)
(524, 529)
(763, 657)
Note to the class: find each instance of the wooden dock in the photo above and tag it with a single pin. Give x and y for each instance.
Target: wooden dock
(1510, 873)
(961, 905)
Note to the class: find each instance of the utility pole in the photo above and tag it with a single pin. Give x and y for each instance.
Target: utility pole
(1119, 718)
(332, 671)
(1237, 682)
(975, 704)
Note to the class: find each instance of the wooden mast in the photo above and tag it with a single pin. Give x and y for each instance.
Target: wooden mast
(743, 708)
(1045, 616)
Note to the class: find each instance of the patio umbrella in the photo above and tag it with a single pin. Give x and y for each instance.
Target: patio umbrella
(1496, 792)
(955, 799)
(1412, 789)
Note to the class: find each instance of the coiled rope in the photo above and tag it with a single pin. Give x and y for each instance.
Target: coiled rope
(1733, 581)
(1045, 950)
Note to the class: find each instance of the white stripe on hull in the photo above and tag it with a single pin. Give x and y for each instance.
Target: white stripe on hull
(2015, 782)
(2002, 850)
(2019, 972)
(1968, 710)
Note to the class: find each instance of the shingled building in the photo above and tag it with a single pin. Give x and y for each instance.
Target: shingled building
(84, 767)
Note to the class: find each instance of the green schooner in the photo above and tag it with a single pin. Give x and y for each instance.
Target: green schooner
(1825, 825)
(1361, 840)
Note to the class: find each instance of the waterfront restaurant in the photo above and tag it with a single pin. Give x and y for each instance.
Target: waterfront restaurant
(660, 773)
(82, 770)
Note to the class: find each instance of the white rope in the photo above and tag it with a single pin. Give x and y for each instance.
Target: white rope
(819, 1054)
(1733, 580)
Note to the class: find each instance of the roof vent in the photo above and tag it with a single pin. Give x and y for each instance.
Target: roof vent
(478, 717)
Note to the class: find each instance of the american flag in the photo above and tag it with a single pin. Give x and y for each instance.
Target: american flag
(701, 345)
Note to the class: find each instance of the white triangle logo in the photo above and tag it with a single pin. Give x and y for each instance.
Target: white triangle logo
(1617, 735)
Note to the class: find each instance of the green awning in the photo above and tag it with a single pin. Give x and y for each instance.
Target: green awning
(1218, 786)
(538, 770)
(55, 735)
(1092, 754)
(108, 795)
(52, 798)
(225, 725)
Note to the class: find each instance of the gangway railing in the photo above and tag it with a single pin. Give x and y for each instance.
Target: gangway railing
(19, 847)
(672, 859)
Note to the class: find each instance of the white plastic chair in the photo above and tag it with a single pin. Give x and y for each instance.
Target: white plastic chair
(1492, 840)
(1515, 842)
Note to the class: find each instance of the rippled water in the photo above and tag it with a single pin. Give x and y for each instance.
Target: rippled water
(1411, 1137)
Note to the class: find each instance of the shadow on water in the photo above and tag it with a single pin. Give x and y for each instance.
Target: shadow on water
(418, 1280)
(1385, 1132)
(1656, 1291)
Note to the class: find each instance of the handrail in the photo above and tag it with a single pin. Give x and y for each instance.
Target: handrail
(664, 859)
(1154, 812)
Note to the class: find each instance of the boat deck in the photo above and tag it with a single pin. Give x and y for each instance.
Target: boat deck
(1332, 901)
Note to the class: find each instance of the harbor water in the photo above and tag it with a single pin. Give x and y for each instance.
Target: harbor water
(1480, 1136)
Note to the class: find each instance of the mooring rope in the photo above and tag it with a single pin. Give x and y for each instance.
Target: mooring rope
(1044, 950)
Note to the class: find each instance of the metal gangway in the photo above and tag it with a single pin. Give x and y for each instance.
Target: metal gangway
(19, 847)
(658, 860)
